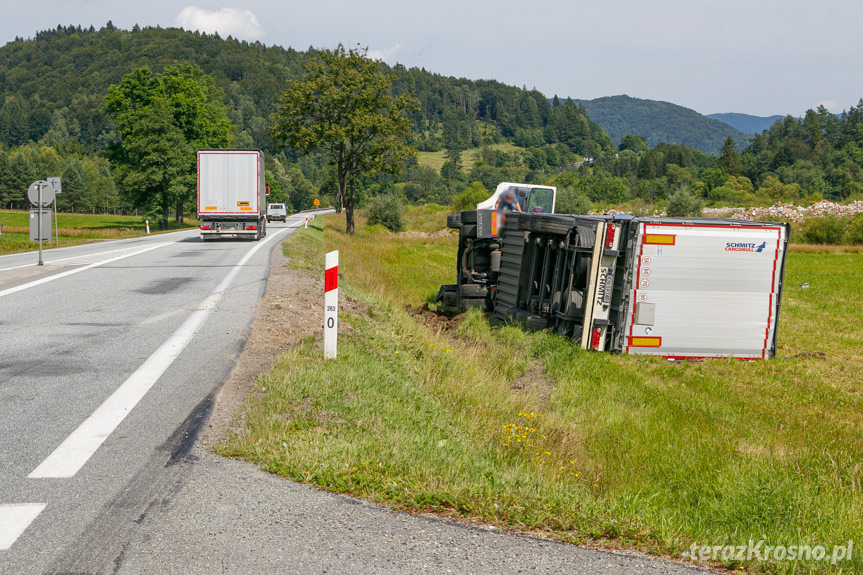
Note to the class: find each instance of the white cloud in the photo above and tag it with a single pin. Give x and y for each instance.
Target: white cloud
(240, 24)
(388, 55)
(831, 105)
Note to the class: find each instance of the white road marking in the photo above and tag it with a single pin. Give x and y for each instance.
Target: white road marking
(77, 449)
(45, 280)
(15, 518)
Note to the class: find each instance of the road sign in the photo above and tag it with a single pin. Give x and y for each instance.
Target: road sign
(55, 183)
(46, 224)
(47, 193)
(317, 202)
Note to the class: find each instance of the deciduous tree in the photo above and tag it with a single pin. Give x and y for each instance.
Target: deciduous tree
(161, 121)
(344, 106)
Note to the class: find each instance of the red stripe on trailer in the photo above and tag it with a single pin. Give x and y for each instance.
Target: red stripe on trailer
(772, 285)
(698, 225)
(331, 279)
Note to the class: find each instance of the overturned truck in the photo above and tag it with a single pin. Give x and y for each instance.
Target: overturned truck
(676, 288)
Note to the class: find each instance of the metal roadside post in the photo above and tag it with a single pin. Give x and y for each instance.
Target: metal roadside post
(57, 187)
(331, 304)
(39, 193)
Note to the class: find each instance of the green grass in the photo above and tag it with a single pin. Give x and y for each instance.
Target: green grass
(72, 229)
(469, 157)
(525, 431)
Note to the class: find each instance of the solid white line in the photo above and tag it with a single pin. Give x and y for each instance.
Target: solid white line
(15, 518)
(76, 270)
(77, 449)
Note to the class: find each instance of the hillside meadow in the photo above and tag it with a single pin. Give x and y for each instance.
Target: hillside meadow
(480, 421)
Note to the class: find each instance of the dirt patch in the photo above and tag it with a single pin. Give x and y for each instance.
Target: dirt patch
(291, 309)
(811, 355)
(534, 382)
(438, 321)
(415, 235)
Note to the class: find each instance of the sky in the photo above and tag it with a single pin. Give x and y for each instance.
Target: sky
(759, 57)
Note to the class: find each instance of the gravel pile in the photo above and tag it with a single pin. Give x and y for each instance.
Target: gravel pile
(788, 212)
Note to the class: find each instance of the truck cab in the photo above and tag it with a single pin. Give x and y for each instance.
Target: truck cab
(277, 212)
(531, 198)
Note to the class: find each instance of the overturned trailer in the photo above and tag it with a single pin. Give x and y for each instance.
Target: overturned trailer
(676, 288)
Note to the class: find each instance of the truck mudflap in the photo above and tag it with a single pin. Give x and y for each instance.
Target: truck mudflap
(649, 286)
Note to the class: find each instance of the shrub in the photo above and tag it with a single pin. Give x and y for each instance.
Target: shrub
(388, 211)
(825, 230)
(855, 230)
(681, 203)
(570, 201)
(470, 197)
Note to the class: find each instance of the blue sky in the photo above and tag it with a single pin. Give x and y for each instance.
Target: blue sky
(758, 57)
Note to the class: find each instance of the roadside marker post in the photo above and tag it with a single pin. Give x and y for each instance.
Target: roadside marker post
(331, 304)
(147, 223)
(307, 222)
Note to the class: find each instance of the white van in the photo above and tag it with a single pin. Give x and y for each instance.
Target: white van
(276, 212)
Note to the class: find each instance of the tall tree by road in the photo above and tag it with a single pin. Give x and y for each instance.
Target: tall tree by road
(344, 106)
(161, 120)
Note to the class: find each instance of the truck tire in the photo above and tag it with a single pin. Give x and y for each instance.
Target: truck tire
(468, 230)
(468, 217)
(453, 221)
(536, 323)
(546, 223)
(473, 290)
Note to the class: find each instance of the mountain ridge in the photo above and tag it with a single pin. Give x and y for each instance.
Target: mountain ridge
(660, 122)
(746, 122)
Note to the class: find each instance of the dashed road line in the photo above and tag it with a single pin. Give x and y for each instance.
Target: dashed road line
(15, 518)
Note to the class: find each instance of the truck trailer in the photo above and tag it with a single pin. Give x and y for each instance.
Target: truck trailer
(680, 288)
(232, 199)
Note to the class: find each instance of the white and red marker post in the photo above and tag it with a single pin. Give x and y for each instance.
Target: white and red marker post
(331, 304)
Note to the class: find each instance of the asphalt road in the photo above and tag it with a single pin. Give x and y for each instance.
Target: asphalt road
(107, 353)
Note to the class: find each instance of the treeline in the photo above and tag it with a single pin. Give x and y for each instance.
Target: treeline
(53, 122)
(87, 181)
(53, 89)
(58, 81)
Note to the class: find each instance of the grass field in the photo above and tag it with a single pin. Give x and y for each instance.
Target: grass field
(469, 157)
(525, 431)
(72, 229)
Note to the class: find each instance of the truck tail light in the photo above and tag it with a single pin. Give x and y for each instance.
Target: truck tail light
(610, 232)
(251, 227)
(205, 226)
(595, 336)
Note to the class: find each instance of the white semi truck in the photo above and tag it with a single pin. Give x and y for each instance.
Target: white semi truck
(232, 200)
(673, 287)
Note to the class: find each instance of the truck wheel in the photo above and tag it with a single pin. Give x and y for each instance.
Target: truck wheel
(453, 221)
(546, 223)
(536, 323)
(473, 290)
(468, 217)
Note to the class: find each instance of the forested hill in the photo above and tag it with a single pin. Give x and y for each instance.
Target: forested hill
(660, 122)
(52, 88)
(745, 122)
